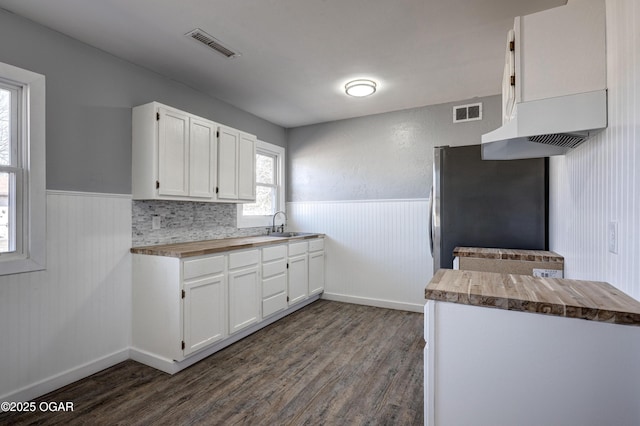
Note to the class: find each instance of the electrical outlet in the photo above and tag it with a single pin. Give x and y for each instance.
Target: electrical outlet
(612, 236)
(155, 222)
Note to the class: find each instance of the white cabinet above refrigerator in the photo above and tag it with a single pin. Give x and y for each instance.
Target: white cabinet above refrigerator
(554, 83)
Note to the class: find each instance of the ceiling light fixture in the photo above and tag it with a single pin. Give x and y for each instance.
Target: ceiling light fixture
(360, 88)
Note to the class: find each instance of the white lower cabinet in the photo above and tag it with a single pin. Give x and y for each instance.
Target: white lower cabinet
(179, 306)
(298, 279)
(274, 280)
(186, 309)
(204, 312)
(486, 366)
(316, 266)
(244, 289)
(203, 302)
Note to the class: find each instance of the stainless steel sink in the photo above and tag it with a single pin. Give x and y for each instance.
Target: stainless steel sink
(289, 234)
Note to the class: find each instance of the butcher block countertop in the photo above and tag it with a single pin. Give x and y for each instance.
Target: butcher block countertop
(589, 300)
(199, 248)
(508, 254)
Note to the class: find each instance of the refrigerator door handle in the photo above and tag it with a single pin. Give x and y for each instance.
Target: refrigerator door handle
(431, 230)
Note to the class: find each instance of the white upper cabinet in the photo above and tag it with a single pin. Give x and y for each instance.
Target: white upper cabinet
(560, 51)
(180, 156)
(247, 167)
(202, 159)
(228, 140)
(236, 165)
(173, 152)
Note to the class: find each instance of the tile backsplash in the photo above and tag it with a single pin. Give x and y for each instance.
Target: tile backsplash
(182, 221)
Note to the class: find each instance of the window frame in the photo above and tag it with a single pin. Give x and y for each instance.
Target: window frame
(278, 152)
(30, 193)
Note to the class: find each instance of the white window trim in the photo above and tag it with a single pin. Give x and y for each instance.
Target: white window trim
(265, 221)
(32, 134)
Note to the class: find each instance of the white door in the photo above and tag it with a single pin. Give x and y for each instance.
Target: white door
(244, 302)
(298, 278)
(173, 153)
(228, 163)
(203, 313)
(202, 161)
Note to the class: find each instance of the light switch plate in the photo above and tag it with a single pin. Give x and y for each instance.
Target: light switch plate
(155, 222)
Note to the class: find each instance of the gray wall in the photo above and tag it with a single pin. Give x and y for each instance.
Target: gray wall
(384, 156)
(89, 98)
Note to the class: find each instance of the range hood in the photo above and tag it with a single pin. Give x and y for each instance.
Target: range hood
(547, 127)
(554, 83)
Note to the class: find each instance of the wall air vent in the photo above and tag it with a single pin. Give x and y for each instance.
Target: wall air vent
(212, 43)
(470, 112)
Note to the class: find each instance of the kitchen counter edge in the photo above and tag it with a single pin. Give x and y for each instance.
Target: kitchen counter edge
(204, 247)
(508, 254)
(588, 300)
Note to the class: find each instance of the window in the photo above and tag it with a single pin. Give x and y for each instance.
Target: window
(22, 170)
(269, 187)
(10, 167)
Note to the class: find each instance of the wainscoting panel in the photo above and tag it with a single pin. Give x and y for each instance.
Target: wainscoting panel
(598, 183)
(377, 251)
(74, 318)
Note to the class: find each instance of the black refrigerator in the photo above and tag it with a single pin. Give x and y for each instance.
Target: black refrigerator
(486, 203)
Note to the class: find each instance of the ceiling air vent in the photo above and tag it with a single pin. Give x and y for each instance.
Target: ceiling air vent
(212, 43)
(470, 112)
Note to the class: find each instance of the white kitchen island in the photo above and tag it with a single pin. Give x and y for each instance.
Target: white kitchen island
(517, 350)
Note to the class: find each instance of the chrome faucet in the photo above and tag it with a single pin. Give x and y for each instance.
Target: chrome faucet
(273, 224)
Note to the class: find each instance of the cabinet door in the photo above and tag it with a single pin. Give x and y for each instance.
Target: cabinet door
(247, 167)
(228, 163)
(173, 153)
(298, 278)
(316, 272)
(274, 295)
(203, 312)
(202, 158)
(244, 301)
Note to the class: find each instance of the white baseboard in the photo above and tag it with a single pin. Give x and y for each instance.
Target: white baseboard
(171, 367)
(153, 360)
(389, 304)
(67, 377)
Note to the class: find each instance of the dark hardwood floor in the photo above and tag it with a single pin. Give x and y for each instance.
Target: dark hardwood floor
(328, 364)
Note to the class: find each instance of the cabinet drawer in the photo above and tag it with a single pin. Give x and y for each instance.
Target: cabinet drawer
(316, 245)
(203, 266)
(297, 248)
(274, 285)
(274, 268)
(274, 304)
(243, 258)
(273, 253)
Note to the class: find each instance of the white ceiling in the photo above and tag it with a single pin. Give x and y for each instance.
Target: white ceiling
(298, 54)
